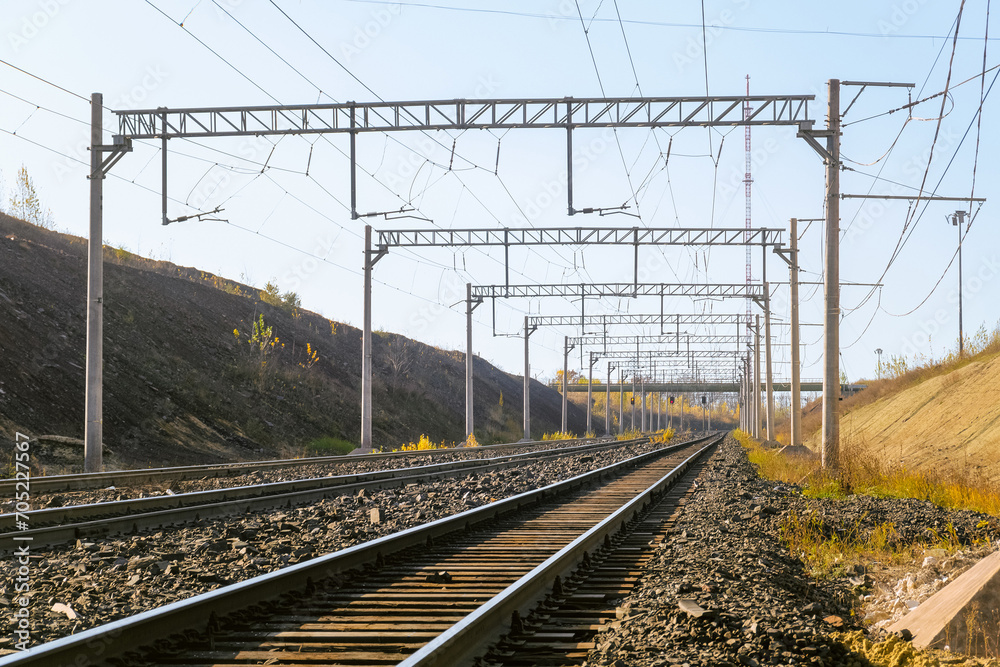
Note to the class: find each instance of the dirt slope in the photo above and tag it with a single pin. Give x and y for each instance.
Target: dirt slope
(950, 422)
(179, 387)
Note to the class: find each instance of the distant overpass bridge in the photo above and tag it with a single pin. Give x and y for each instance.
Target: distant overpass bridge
(711, 387)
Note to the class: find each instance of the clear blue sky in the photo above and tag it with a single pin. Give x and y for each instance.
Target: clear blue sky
(285, 225)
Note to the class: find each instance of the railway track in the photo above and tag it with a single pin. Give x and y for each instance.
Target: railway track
(59, 525)
(437, 594)
(123, 478)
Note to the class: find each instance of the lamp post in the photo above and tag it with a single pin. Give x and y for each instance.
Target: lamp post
(878, 351)
(957, 220)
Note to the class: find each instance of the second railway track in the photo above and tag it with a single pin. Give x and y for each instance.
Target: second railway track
(65, 524)
(437, 594)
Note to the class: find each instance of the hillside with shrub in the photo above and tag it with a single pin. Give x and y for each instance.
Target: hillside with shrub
(198, 368)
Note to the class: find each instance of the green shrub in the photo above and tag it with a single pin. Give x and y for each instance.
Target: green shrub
(329, 446)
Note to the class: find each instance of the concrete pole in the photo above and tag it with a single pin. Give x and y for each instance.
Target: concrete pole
(633, 403)
(469, 418)
(748, 380)
(621, 401)
(366, 346)
(643, 425)
(747, 395)
(590, 394)
(756, 378)
(768, 377)
(741, 403)
(793, 284)
(831, 321)
(565, 385)
(957, 220)
(607, 403)
(527, 383)
(93, 433)
(709, 412)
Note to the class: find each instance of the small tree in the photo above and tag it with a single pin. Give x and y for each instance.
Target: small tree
(24, 202)
(261, 343)
(289, 301)
(399, 360)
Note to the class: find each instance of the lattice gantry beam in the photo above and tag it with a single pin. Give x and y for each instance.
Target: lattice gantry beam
(737, 291)
(662, 339)
(579, 236)
(600, 112)
(619, 319)
(661, 354)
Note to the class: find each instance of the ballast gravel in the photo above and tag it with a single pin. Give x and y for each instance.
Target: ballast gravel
(300, 470)
(724, 590)
(77, 587)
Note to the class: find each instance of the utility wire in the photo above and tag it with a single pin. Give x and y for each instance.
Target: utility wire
(46, 81)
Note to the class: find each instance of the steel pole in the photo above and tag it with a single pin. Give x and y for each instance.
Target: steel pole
(793, 283)
(469, 418)
(831, 321)
(366, 346)
(527, 383)
(93, 434)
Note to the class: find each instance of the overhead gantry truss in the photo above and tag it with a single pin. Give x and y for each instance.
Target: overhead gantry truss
(619, 319)
(694, 290)
(666, 354)
(560, 236)
(461, 114)
(662, 339)
(580, 236)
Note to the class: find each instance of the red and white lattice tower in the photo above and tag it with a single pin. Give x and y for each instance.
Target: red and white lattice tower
(747, 180)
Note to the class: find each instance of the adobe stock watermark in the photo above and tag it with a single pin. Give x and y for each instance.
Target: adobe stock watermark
(21, 602)
(451, 289)
(320, 249)
(973, 284)
(133, 98)
(693, 51)
(761, 153)
(554, 190)
(427, 149)
(899, 16)
(32, 25)
(365, 35)
(874, 210)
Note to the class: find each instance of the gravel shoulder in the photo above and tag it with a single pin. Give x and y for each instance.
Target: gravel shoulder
(724, 590)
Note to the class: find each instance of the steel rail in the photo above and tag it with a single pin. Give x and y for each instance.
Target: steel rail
(199, 612)
(162, 511)
(90, 481)
(470, 637)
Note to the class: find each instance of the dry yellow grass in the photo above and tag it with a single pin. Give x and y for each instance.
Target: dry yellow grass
(829, 552)
(948, 423)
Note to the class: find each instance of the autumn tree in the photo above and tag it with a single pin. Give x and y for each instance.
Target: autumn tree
(24, 202)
